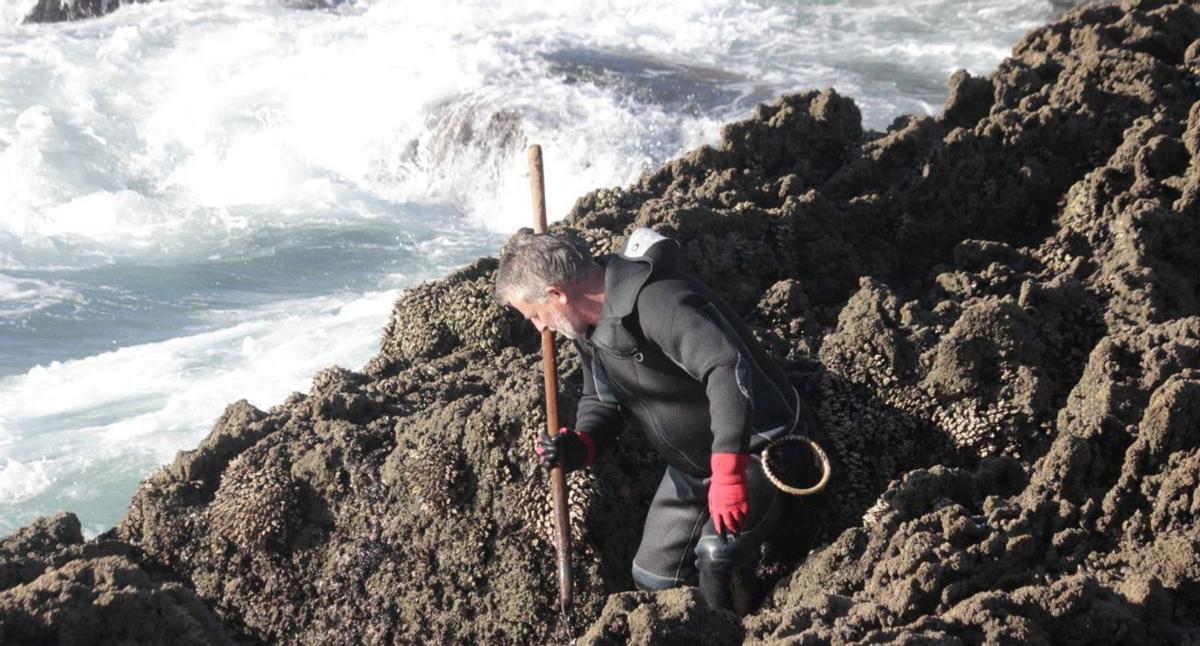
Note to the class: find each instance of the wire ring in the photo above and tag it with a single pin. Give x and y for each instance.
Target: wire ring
(822, 457)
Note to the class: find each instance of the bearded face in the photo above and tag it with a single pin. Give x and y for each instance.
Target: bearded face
(559, 315)
(567, 324)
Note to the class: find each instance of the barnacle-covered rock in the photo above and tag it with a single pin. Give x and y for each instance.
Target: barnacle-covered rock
(460, 312)
(256, 505)
(57, 589)
(238, 428)
(426, 473)
(678, 616)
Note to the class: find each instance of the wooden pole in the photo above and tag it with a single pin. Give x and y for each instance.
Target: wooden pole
(558, 479)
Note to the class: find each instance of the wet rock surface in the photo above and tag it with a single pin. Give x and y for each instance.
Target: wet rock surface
(677, 616)
(65, 10)
(46, 11)
(55, 588)
(993, 314)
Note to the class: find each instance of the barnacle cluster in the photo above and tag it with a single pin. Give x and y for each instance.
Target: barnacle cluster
(535, 502)
(257, 505)
(430, 471)
(460, 312)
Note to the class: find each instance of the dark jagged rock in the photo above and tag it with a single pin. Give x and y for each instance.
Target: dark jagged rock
(674, 617)
(57, 589)
(994, 316)
(66, 10)
(23, 555)
(63, 10)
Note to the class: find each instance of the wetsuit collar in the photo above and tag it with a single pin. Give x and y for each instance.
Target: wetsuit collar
(644, 254)
(625, 273)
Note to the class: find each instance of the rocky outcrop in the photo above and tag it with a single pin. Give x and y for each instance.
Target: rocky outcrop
(677, 616)
(992, 312)
(57, 589)
(65, 10)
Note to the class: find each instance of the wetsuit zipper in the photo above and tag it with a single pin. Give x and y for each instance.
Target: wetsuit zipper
(642, 405)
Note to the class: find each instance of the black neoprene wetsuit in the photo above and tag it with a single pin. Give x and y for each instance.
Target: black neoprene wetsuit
(672, 353)
(677, 357)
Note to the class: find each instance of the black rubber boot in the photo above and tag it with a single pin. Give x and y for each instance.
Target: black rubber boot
(716, 582)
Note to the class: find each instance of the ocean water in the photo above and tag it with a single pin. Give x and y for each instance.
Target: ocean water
(206, 201)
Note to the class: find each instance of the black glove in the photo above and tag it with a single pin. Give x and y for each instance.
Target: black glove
(573, 450)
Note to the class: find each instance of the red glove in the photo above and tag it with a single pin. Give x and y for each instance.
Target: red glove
(727, 491)
(572, 450)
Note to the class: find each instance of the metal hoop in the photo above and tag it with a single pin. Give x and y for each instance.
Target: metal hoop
(826, 467)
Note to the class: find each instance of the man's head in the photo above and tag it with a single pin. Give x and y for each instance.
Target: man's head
(552, 281)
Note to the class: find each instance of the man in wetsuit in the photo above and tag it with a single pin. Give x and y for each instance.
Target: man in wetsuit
(657, 343)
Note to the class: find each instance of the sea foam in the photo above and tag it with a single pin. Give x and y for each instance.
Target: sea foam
(117, 415)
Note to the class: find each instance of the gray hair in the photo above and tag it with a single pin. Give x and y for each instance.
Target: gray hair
(530, 262)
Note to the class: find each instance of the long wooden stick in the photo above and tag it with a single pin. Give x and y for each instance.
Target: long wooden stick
(558, 480)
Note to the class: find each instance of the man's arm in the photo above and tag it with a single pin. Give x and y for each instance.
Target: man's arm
(598, 422)
(598, 413)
